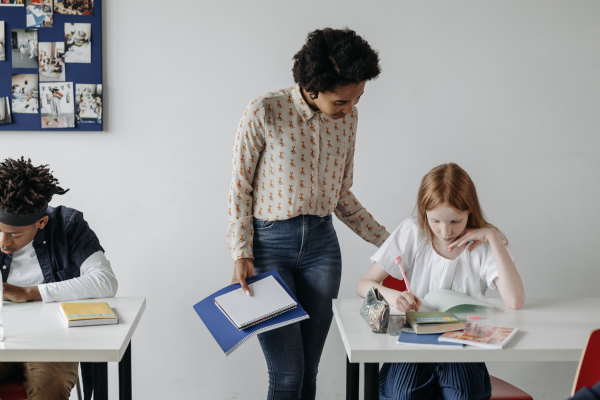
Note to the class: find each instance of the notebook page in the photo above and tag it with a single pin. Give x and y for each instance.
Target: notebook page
(425, 307)
(268, 297)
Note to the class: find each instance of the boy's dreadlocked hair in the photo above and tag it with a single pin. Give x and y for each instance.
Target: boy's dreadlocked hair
(25, 188)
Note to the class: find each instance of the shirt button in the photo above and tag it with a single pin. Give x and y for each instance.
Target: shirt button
(4, 267)
(44, 242)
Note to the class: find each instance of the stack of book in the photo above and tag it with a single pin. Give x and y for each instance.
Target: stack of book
(85, 314)
(434, 322)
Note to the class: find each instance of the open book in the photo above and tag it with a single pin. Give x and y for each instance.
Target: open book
(442, 300)
(481, 335)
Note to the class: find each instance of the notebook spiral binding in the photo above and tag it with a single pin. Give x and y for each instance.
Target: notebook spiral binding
(265, 329)
(262, 318)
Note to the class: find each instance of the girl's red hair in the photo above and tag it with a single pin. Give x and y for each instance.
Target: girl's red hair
(449, 184)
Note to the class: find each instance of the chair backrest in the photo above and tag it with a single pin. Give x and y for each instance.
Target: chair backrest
(12, 389)
(588, 372)
(393, 283)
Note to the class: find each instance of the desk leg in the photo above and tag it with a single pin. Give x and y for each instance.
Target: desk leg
(352, 379)
(371, 381)
(100, 381)
(125, 375)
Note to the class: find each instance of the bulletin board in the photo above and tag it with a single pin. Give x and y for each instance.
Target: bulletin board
(76, 73)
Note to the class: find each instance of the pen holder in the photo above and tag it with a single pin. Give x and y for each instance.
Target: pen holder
(376, 311)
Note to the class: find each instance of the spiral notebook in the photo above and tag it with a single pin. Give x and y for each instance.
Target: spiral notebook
(226, 334)
(268, 300)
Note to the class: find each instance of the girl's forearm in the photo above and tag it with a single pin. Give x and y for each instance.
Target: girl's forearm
(508, 281)
(365, 284)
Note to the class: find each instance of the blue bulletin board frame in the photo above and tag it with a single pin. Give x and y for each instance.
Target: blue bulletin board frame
(78, 73)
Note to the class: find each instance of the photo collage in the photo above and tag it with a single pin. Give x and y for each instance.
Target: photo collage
(2, 42)
(39, 13)
(45, 90)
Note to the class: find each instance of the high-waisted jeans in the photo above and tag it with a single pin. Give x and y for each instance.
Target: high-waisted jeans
(306, 253)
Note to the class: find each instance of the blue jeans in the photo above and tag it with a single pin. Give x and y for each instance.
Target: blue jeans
(448, 381)
(306, 253)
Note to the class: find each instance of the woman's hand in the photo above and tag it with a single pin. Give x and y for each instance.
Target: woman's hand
(244, 268)
(406, 301)
(478, 236)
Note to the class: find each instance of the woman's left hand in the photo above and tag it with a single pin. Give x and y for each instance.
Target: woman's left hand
(478, 236)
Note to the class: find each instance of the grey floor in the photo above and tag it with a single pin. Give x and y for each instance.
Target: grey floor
(25, 61)
(69, 117)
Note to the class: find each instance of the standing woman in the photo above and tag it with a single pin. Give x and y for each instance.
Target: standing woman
(293, 160)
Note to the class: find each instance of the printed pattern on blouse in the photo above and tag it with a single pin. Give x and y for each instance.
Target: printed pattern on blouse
(289, 160)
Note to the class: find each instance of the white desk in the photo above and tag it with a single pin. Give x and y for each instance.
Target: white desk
(550, 330)
(41, 334)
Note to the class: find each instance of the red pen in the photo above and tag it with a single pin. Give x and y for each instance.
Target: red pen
(398, 261)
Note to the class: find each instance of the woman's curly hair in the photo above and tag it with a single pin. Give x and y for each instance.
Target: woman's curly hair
(24, 188)
(332, 58)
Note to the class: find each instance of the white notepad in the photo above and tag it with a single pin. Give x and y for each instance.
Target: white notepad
(268, 300)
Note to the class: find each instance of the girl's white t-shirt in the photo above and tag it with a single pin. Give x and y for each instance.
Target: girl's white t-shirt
(472, 273)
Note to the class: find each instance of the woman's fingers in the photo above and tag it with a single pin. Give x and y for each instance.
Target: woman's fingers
(243, 269)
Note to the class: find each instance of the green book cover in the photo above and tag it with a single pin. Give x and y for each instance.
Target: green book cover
(432, 317)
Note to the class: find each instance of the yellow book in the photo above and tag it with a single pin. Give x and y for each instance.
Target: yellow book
(84, 314)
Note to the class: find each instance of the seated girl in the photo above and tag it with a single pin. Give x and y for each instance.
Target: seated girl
(448, 245)
(59, 68)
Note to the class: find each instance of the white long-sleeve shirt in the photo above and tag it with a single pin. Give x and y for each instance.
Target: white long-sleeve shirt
(96, 279)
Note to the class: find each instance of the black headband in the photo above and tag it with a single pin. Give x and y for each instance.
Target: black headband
(22, 220)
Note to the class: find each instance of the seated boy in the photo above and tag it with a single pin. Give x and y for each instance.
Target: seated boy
(49, 254)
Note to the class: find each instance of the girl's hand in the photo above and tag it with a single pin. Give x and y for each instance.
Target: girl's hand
(405, 301)
(478, 236)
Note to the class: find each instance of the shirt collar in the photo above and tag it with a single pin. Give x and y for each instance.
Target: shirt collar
(25, 249)
(302, 107)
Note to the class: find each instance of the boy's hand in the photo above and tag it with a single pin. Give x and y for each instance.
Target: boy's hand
(478, 236)
(407, 302)
(244, 268)
(20, 294)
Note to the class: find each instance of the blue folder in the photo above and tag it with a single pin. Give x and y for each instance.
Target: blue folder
(423, 339)
(226, 334)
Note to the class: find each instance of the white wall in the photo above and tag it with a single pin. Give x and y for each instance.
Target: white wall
(32, 81)
(507, 89)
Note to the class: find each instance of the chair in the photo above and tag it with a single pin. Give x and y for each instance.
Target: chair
(13, 390)
(501, 390)
(588, 372)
